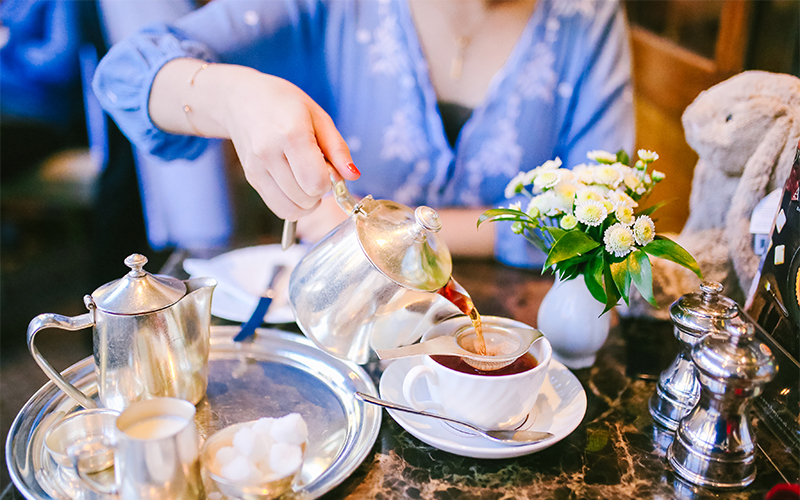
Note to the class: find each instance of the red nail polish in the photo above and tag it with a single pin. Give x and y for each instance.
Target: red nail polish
(351, 167)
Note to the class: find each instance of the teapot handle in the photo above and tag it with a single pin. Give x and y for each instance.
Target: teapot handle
(50, 320)
(342, 196)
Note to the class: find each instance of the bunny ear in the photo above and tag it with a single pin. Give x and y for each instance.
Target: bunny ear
(752, 187)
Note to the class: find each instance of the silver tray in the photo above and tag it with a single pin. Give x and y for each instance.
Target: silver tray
(277, 373)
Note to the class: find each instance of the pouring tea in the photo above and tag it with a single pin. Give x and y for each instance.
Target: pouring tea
(376, 281)
(151, 338)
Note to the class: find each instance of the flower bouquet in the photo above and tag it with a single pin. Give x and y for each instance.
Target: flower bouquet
(588, 221)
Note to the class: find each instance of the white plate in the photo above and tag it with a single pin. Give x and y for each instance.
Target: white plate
(242, 276)
(559, 409)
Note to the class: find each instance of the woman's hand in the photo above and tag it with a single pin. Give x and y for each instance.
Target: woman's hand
(282, 137)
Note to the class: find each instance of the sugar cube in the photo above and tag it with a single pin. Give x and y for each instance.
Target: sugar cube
(239, 469)
(290, 429)
(285, 459)
(244, 441)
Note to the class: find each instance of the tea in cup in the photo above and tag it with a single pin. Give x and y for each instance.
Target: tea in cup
(498, 399)
(156, 453)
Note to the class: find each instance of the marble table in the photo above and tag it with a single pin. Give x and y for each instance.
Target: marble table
(615, 453)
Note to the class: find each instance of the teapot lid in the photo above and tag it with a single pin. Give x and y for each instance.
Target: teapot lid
(404, 244)
(138, 291)
(706, 311)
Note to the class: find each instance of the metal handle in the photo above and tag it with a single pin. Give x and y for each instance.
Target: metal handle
(342, 196)
(74, 457)
(49, 320)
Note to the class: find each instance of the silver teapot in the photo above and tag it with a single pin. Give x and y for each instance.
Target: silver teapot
(151, 338)
(371, 282)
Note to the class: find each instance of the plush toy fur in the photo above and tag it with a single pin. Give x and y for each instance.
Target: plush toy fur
(745, 131)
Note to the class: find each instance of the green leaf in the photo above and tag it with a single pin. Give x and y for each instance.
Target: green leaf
(642, 275)
(622, 278)
(668, 249)
(623, 158)
(649, 210)
(555, 232)
(612, 294)
(570, 245)
(495, 214)
(593, 276)
(569, 272)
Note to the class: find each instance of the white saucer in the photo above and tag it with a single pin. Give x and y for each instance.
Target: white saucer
(242, 276)
(559, 410)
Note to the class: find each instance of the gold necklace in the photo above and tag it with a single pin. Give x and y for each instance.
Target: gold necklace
(457, 64)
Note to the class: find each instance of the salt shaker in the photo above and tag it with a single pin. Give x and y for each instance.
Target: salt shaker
(694, 315)
(715, 443)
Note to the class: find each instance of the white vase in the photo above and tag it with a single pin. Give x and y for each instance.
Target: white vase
(571, 320)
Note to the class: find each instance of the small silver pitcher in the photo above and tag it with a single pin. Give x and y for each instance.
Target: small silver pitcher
(694, 315)
(151, 338)
(715, 444)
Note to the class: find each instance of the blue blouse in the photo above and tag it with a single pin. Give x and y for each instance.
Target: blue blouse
(564, 90)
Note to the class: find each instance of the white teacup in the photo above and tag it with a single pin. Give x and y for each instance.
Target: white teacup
(488, 401)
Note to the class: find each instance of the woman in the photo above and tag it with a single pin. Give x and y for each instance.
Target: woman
(370, 82)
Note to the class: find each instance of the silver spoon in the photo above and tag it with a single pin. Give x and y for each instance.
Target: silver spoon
(511, 437)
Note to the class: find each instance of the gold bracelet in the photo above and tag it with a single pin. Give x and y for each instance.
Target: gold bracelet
(187, 110)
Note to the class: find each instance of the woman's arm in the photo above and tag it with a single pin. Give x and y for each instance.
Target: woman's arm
(281, 135)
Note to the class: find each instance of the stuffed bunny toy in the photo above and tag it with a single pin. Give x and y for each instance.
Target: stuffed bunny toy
(745, 131)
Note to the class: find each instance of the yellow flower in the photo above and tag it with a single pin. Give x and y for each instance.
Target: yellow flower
(592, 213)
(644, 230)
(618, 239)
(568, 222)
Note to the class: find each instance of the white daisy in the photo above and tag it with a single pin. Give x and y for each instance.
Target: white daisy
(592, 213)
(644, 230)
(601, 156)
(515, 185)
(621, 199)
(658, 176)
(607, 175)
(624, 214)
(585, 194)
(568, 222)
(646, 155)
(551, 164)
(619, 240)
(546, 180)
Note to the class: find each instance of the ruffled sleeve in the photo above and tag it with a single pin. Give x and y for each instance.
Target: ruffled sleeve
(122, 84)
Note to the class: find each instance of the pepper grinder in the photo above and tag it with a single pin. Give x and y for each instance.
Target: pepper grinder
(715, 444)
(694, 315)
